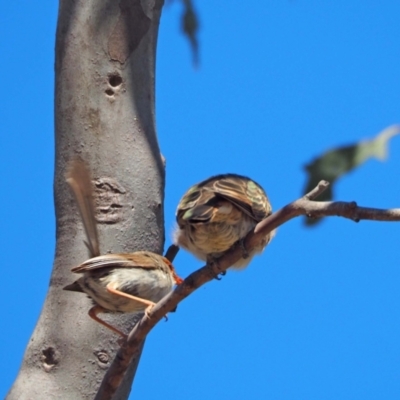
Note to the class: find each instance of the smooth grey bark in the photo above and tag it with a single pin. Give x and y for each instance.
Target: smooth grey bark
(104, 113)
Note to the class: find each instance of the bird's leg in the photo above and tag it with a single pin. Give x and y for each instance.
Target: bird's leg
(210, 261)
(148, 303)
(93, 314)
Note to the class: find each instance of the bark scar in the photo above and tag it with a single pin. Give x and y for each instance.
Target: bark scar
(109, 200)
(132, 24)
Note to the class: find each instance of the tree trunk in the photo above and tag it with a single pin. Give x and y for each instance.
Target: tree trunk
(104, 113)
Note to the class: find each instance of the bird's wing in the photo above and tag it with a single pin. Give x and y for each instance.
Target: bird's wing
(202, 201)
(196, 205)
(139, 259)
(244, 193)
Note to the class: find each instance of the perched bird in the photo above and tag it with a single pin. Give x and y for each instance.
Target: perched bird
(216, 213)
(131, 282)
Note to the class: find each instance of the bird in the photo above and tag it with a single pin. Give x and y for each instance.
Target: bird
(127, 282)
(218, 212)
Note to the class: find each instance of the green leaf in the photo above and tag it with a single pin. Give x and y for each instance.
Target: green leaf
(339, 161)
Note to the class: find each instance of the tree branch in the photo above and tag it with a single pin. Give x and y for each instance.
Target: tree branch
(303, 206)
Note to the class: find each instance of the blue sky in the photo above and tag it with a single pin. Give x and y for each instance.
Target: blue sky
(317, 315)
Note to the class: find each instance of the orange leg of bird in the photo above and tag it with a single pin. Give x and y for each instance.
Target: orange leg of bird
(93, 314)
(148, 303)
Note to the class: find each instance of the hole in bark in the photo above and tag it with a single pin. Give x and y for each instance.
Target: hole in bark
(114, 80)
(109, 92)
(49, 356)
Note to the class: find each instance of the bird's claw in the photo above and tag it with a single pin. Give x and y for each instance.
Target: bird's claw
(147, 312)
(220, 275)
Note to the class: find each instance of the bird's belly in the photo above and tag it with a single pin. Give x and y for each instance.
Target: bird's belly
(146, 284)
(214, 238)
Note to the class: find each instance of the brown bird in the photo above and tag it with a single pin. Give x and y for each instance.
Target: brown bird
(131, 282)
(218, 212)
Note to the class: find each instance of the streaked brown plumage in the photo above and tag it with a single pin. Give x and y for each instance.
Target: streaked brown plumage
(130, 282)
(217, 212)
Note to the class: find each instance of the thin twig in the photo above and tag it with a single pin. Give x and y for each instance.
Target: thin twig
(321, 187)
(303, 206)
(171, 253)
